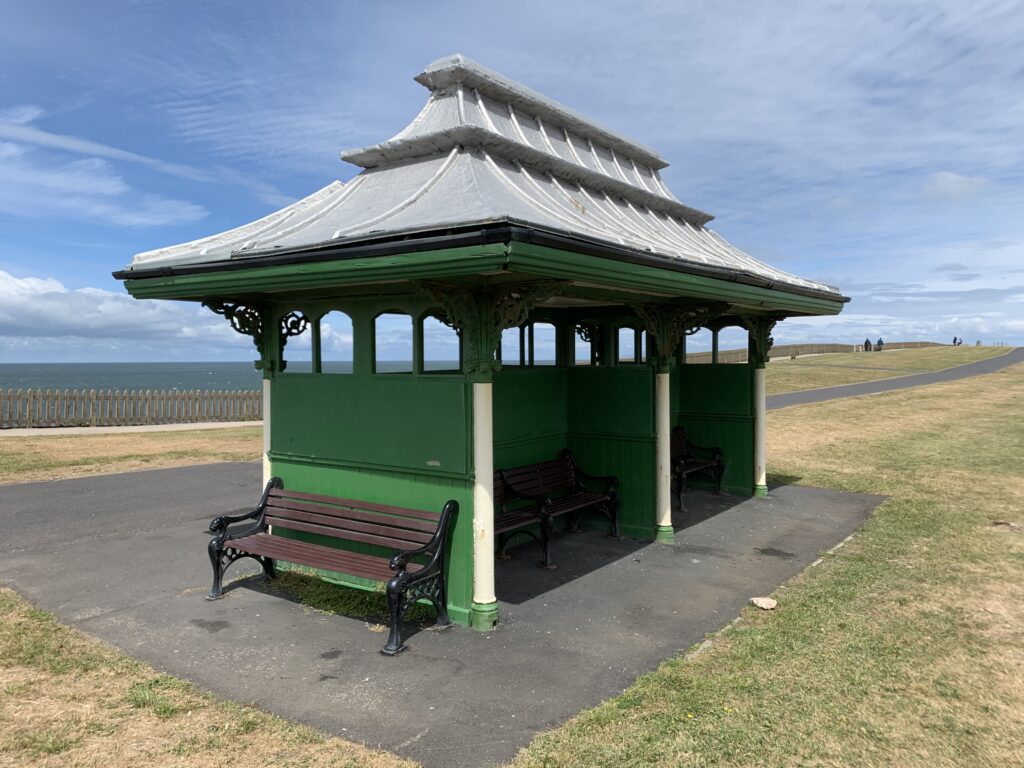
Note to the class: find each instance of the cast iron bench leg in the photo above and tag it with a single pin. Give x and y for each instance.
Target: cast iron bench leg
(547, 527)
(395, 592)
(217, 561)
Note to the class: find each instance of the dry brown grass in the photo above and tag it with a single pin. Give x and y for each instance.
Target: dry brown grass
(53, 457)
(67, 700)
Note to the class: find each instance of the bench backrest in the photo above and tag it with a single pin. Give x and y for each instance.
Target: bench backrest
(542, 478)
(378, 524)
(678, 444)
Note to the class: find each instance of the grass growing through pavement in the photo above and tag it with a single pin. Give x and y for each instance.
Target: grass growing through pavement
(300, 584)
(50, 457)
(815, 371)
(67, 700)
(904, 648)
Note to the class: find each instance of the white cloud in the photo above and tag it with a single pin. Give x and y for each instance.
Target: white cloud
(946, 185)
(40, 318)
(22, 114)
(33, 187)
(15, 127)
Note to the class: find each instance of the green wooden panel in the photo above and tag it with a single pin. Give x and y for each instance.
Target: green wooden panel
(716, 406)
(402, 489)
(611, 400)
(529, 402)
(716, 389)
(632, 460)
(416, 423)
(735, 436)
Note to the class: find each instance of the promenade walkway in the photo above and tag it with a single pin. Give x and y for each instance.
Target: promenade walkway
(807, 396)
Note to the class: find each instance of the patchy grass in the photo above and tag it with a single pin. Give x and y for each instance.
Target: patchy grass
(52, 457)
(67, 700)
(904, 647)
(816, 371)
(301, 584)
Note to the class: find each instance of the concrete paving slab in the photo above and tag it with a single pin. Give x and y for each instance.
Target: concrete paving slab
(569, 638)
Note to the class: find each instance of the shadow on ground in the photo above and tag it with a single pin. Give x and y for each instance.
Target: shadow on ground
(120, 557)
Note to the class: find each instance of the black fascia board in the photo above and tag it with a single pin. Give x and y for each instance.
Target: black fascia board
(473, 234)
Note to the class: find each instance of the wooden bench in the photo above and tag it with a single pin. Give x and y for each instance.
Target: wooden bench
(688, 458)
(409, 533)
(538, 493)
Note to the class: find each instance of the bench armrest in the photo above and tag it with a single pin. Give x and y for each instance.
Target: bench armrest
(435, 546)
(610, 481)
(539, 499)
(219, 525)
(716, 453)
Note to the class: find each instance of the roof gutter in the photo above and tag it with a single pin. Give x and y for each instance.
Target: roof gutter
(497, 232)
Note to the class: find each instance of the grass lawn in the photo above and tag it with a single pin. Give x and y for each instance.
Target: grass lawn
(51, 457)
(903, 648)
(815, 371)
(67, 700)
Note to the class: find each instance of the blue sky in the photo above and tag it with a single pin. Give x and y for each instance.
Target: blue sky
(875, 146)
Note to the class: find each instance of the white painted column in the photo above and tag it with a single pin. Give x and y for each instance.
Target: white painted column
(760, 465)
(663, 420)
(266, 432)
(484, 611)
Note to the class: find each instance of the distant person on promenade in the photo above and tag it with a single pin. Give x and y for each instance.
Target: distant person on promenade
(878, 344)
(954, 341)
(867, 345)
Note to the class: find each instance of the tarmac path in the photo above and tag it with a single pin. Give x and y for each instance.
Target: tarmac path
(807, 396)
(123, 557)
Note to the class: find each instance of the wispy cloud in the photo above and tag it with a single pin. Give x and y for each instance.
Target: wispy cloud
(946, 185)
(15, 127)
(82, 189)
(27, 134)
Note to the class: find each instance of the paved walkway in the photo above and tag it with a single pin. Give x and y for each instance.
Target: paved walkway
(787, 399)
(123, 557)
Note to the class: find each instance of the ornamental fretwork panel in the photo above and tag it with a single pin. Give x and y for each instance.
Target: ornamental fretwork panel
(253, 320)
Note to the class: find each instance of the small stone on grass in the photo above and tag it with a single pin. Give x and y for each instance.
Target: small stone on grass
(764, 603)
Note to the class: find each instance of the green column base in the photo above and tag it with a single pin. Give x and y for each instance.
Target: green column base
(665, 534)
(760, 491)
(483, 617)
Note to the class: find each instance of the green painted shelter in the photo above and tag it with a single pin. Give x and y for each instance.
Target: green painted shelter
(505, 216)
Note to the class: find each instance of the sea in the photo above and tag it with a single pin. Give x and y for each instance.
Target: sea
(160, 376)
(156, 376)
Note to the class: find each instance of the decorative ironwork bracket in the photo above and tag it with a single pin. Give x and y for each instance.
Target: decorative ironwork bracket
(594, 334)
(244, 319)
(292, 324)
(481, 313)
(761, 341)
(666, 324)
(253, 321)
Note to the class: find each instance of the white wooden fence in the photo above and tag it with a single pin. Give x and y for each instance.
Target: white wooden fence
(115, 407)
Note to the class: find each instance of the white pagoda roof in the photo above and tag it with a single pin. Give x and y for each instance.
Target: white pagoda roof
(486, 149)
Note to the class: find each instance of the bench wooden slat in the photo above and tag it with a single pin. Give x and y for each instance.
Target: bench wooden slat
(557, 483)
(323, 530)
(342, 526)
(516, 518)
(575, 502)
(283, 493)
(284, 509)
(320, 556)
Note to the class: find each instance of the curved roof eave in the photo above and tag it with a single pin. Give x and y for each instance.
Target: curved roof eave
(471, 233)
